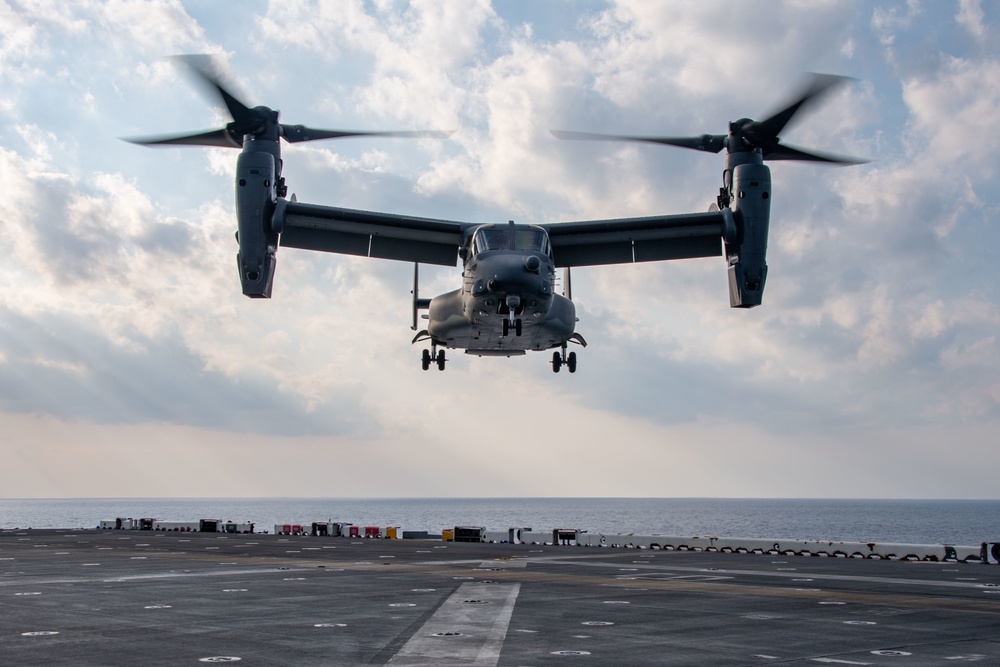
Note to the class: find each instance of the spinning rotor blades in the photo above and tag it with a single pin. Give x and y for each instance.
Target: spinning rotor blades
(252, 120)
(219, 137)
(297, 133)
(746, 134)
(710, 143)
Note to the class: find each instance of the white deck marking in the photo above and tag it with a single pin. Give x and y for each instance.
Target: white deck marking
(503, 564)
(482, 623)
(664, 567)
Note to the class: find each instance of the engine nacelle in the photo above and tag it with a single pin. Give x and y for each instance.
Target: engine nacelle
(751, 192)
(255, 198)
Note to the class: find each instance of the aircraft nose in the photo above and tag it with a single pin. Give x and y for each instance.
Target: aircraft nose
(511, 274)
(513, 280)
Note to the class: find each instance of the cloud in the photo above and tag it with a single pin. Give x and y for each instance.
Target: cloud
(416, 50)
(888, 21)
(146, 314)
(970, 16)
(158, 26)
(68, 367)
(951, 112)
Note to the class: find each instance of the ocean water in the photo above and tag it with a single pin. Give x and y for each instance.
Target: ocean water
(963, 522)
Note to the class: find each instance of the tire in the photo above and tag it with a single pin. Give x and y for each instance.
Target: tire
(571, 362)
(425, 359)
(556, 362)
(440, 360)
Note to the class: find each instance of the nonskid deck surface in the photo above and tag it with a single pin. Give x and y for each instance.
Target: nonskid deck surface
(90, 597)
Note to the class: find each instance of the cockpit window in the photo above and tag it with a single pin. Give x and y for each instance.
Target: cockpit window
(534, 240)
(511, 238)
(492, 239)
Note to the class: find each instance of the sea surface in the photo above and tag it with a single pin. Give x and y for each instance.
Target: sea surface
(962, 522)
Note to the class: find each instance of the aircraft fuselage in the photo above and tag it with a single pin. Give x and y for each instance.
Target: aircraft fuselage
(507, 303)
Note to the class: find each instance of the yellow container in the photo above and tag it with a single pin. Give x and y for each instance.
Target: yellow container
(448, 535)
(391, 533)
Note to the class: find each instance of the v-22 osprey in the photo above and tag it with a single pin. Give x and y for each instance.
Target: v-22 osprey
(509, 301)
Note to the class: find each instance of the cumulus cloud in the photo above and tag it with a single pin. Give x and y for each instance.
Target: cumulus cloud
(135, 295)
(970, 16)
(952, 114)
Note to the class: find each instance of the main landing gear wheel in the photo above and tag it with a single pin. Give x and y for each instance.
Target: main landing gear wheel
(434, 356)
(560, 358)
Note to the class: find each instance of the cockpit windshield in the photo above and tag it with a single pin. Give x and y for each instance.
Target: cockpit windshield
(509, 237)
(492, 239)
(534, 240)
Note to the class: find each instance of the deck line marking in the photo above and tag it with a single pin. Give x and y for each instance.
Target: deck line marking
(503, 564)
(769, 573)
(143, 577)
(482, 628)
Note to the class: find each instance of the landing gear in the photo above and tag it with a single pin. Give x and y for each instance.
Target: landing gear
(513, 303)
(560, 358)
(507, 327)
(434, 356)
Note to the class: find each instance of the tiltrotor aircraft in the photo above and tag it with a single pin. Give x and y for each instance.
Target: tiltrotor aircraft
(507, 303)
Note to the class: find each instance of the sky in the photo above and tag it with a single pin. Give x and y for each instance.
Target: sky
(132, 366)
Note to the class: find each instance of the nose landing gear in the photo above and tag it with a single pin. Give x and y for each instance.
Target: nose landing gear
(433, 355)
(560, 358)
(513, 303)
(508, 324)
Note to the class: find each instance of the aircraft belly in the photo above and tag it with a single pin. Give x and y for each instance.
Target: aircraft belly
(483, 334)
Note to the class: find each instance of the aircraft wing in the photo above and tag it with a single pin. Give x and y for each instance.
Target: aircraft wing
(627, 240)
(368, 234)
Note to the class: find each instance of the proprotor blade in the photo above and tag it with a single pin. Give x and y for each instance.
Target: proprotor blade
(710, 143)
(260, 121)
(764, 134)
(785, 152)
(769, 129)
(220, 137)
(296, 133)
(205, 69)
(746, 134)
